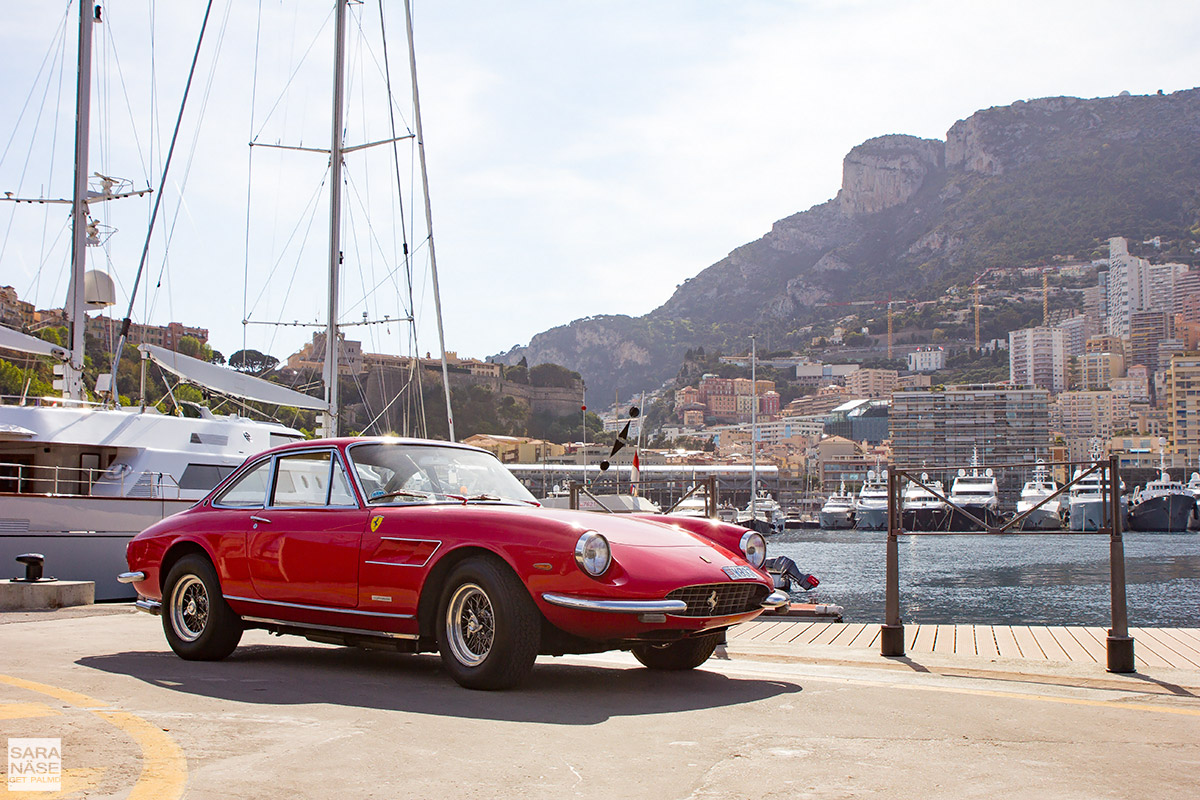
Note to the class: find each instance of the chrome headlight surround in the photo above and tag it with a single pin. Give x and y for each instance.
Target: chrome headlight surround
(592, 554)
(754, 548)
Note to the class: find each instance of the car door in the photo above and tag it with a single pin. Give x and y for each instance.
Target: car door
(303, 546)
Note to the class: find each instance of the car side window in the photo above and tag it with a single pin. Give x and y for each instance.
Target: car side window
(248, 491)
(302, 480)
(340, 493)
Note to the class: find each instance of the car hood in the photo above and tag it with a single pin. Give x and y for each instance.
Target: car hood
(620, 529)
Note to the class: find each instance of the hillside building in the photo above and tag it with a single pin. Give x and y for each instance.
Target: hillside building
(1038, 357)
(927, 359)
(873, 383)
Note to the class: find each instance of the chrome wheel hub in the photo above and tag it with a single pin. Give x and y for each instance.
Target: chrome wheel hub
(470, 625)
(189, 608)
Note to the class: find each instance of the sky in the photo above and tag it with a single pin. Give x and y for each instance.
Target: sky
(584, 158)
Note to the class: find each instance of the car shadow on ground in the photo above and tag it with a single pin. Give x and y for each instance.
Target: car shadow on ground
(556, 692)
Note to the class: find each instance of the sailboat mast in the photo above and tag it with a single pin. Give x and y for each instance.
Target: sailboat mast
(329, 422)
(437, 295)
(72, 380)
(753, 429)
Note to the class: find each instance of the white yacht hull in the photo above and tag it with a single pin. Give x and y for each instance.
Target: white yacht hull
(82, 538)
(833, 520)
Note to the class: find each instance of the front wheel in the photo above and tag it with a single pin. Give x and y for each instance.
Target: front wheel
(198, 623)
(681, 655)
(488, 630)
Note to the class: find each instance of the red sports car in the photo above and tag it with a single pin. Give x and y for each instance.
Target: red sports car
(420, 545)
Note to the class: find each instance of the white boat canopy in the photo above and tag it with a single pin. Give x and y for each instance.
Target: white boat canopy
(226, 381)
(24, 343)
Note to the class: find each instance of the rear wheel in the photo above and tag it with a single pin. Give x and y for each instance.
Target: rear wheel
(681, 655)
(488, 629)
(198, 623)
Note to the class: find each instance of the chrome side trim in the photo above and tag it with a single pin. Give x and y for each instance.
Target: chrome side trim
(776, 599)
(615, 606)
(317, 608)
(331, 628)
(131, 577)
(149, 606)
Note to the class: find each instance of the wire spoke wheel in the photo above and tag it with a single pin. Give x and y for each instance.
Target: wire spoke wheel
(471, 624)
(189, 608)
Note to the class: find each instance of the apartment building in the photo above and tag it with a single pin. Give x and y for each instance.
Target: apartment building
(1008, 424)
(1146, 330)
(1038, 357)
(1098, 370)
(1183, 406)
(873, 383)
(1084, 415)
(927, 359)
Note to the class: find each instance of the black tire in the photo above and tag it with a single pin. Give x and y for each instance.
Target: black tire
(488, 629)
(681, 655)
(198, 623)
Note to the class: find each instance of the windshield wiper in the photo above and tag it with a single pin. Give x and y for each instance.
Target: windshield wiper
(401, 493)
(485, 498)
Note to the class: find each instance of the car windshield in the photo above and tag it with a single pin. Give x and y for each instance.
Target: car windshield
(400, 473)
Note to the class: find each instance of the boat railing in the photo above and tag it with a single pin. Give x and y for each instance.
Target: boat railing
(46, 402)
(16, 478)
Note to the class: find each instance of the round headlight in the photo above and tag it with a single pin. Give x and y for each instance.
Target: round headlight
(592, 554)
(754, 548)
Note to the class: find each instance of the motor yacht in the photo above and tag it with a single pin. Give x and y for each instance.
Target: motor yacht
(974, 493)
(1163, 505)
(921, 510)
(1088, 502)
(871, 507)
(762, 514)
(1049, 515)
(838, 511)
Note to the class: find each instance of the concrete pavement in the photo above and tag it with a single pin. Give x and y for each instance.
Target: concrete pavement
(284, 717)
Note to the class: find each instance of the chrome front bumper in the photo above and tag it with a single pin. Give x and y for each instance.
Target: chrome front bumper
(616, 606)
(131, 577)
(773, 600)
(776, 599)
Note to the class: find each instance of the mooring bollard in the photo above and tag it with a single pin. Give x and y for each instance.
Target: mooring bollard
(891, 634)
(1120, 643)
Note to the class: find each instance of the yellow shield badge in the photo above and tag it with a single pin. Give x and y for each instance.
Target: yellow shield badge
(375, 523)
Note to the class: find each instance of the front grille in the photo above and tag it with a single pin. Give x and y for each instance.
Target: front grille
(720, 599)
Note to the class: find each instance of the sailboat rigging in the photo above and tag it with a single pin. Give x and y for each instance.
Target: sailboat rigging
(79, 479)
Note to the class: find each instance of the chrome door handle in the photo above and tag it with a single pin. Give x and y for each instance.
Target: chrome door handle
(254, 518)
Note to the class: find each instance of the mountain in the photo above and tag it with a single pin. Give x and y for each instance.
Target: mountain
(1010, 185)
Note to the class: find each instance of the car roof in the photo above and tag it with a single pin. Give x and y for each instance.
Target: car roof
(343, 442)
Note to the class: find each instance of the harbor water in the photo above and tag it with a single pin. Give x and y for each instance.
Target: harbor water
(1026, 579)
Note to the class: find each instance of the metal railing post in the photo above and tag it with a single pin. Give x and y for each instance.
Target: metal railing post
(891, 636)
(574, 502)
(1120, 643)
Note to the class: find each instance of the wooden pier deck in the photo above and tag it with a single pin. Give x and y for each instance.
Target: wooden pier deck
(1177, 648)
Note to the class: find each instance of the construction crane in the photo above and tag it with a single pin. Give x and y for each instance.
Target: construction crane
(889, 303)
(1045, 297)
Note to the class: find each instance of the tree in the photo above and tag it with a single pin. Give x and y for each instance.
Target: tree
(553, 375)
(252, 361)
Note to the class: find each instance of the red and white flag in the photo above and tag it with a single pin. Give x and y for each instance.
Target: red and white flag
(635, 476)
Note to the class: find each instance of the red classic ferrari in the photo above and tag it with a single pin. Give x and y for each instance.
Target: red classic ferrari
(420, 545)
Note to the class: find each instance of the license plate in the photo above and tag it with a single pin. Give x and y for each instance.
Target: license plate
(740, 573)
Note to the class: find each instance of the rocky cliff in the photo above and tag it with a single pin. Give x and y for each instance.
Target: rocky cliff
(1010, 185)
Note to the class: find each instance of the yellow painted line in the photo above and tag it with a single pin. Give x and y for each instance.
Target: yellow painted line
(164, 768)
(25, 710)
